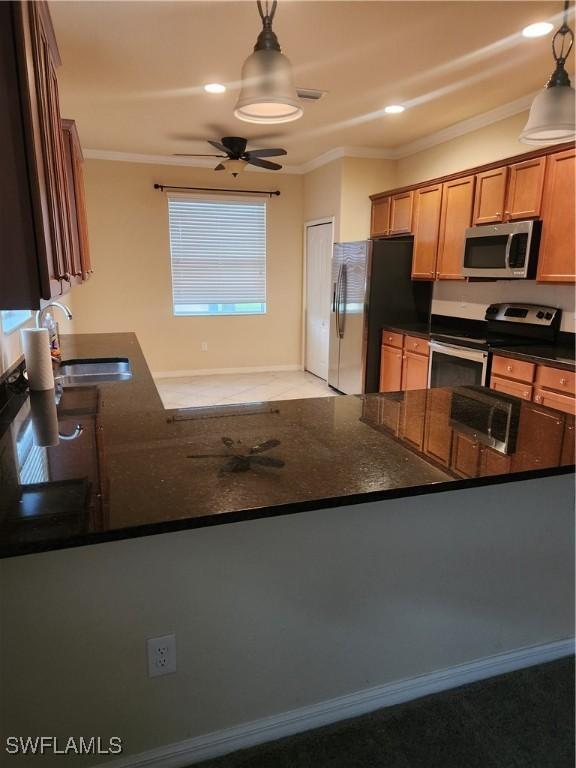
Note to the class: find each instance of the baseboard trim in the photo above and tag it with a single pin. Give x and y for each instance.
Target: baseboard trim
(190, 751)
(216, 371)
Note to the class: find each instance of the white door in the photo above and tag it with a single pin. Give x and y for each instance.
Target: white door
(318, 296)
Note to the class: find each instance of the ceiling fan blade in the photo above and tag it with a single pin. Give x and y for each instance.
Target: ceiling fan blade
(263, 163)
(185, 154)
(220, 167)
(218, 145)
(266, 152)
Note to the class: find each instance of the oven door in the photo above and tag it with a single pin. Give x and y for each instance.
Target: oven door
(452, 366)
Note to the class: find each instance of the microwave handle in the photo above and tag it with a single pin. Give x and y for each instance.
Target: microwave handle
(511, 237)
(491, 420)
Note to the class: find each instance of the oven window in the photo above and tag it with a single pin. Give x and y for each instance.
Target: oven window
(450, 371)
(486, 252)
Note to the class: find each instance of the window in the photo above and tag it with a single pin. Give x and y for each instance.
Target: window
(12, 318)
(218, 252)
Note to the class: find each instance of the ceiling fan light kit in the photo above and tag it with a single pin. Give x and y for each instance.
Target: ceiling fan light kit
(552, 115)
(268, 94)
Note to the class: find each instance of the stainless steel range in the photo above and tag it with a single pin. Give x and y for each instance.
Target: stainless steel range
(460, 354)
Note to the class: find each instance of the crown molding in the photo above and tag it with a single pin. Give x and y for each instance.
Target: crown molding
(469, 125)
(396, 153)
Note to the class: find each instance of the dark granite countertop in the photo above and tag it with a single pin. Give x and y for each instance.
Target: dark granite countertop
(422, 330)
(138, 469)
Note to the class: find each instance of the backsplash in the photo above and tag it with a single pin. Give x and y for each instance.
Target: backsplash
(470, 299)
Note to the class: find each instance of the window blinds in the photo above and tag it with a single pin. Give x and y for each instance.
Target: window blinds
(218, 252)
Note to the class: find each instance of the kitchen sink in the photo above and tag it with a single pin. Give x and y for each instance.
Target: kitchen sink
(95, 370)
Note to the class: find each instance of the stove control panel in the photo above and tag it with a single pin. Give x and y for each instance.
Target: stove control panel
(530, 314)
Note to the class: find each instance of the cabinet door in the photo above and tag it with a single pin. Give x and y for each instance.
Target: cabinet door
(457, 200)
(555, 400)
(568, 445)
(49, 147)
(414, 371)
(525, 186)
(390, 369)
(438, 432)
(556, 261)
(489, 196)
(493, 463)
(401, 213)
(465, 455)
(380, 217)
(516, 388)
(539, 443)
(427, 205)
(81, 267)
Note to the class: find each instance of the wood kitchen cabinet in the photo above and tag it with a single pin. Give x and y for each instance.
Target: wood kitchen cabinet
(493, 462)
(540, 439)
(80, 261)
(401, 214)
(390, 369)
(36, 226)
(465, 455)
(509, 193)
(414, 371)
(557, 258)
(412, 418)
(380, 226)
(490, 196)
(426, 226)
(456, 215)
(438, 432)
(544, 384)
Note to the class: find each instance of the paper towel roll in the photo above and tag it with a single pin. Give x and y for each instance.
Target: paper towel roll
(44, 418)
(36, 346)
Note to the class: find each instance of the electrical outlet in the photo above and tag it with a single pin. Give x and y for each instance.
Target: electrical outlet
(204, 346)
(161, 655)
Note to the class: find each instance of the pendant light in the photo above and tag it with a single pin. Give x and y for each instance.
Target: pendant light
(268, 93)
(552, 115)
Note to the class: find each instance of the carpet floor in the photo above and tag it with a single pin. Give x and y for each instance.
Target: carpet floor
(523, 719)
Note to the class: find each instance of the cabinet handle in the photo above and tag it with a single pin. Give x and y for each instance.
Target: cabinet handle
(538, 398)
(498, 213)
(508, 367)
(389, 338)
(563, 381)
(526, 394)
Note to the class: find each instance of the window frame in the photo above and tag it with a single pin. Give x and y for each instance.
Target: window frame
(223, 198)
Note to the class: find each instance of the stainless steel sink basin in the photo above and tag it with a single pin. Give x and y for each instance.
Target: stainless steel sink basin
(93, 370)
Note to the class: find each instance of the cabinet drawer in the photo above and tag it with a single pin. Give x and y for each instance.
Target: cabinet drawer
(417, 345)
(554, 378)
(516, 388)
(513, 369)
(392, 339)
(555, 400)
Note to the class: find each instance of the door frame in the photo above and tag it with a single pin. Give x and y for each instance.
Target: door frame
(307, 224)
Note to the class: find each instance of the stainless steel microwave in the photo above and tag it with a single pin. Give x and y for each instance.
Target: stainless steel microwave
(488, 417)
(505, 251)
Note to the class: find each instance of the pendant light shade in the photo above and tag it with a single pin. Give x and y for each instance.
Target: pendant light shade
(552, 116)
(268, 93)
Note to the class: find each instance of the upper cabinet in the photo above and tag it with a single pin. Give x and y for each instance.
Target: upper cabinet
(539, 184)
(456, 215)
(427, 207)
(509, 193)
(557, 246)
(392, 215)
(37, 220)
(81, 265)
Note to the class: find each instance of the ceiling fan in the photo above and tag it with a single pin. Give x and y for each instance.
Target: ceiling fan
(236, 156)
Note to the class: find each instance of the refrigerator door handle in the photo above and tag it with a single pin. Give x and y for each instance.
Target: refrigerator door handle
(337, 301)
(342, 300)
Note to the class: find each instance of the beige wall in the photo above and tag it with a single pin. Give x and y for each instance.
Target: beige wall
(280, 613)
(131, 286)
(322, 194)
(362, 177)
(494, 142)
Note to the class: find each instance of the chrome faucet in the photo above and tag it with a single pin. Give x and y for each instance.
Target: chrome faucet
(41, 312)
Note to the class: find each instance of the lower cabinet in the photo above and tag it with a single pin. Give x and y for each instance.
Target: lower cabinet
(542, 384)
(540, 439)
(403, 362)
(438, 432)
(465, 455)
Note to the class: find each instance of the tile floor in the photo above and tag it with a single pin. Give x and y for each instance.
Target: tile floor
(226, 389)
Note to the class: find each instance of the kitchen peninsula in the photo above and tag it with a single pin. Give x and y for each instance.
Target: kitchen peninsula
(145, 470)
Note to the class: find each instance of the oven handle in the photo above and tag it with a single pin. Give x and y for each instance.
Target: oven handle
(466, 352)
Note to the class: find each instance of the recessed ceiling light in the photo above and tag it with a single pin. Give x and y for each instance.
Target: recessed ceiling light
(539, 29)
(394, 109)
(214, 88)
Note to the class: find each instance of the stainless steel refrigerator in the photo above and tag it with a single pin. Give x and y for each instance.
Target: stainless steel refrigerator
(371, 287)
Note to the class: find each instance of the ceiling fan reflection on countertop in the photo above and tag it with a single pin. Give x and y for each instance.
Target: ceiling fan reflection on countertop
(236, 156)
